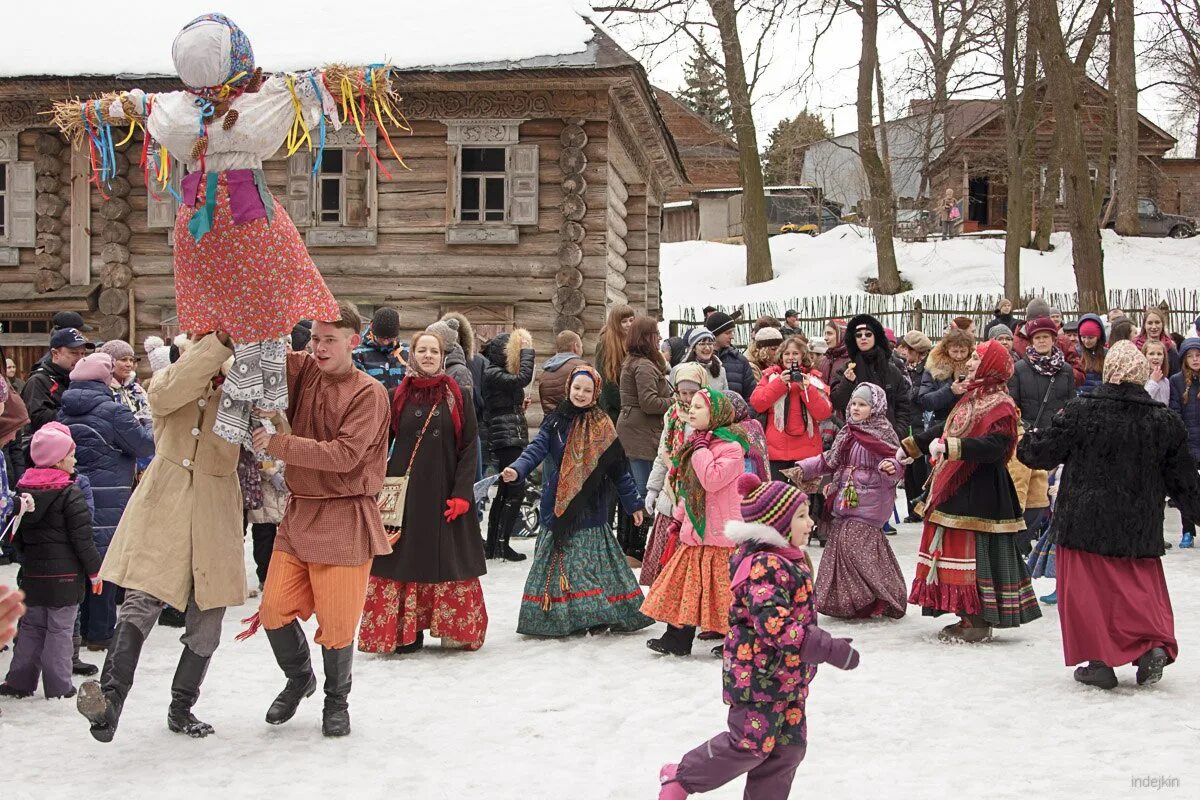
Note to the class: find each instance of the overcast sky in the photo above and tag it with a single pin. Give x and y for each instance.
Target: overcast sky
(826, 83)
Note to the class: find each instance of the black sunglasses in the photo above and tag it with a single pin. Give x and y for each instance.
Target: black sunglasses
(863, 334)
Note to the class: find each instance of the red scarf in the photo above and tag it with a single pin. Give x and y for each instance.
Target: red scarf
(428, 391)
(985, 408)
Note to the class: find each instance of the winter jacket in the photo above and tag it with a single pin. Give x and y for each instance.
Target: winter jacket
(1032, 485)
(658, 488)
(718, 467)
(738, 372)
(610, 393)
(890, 377)
(385, 363)
(936, 397)
(787, 426)
(182, 531)
(477, 364)
(1122, 454)
(551, 442)
(1160, 390)
(1008, 320)
(832, 363)
(1064, 342)
(645, 397)
(1189, 412)
(456, 368)
(54, 546)
(43, 393)
(1039, 397)
(876, 490)
(552, 386)
(774, 643)
(508, 372)
(109, 441)
(677, 347)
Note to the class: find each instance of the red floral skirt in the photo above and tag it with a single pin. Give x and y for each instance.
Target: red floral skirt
(396, 612)
(255, 280)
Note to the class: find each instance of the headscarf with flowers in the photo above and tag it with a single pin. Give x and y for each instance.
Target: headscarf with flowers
(722, 426)
(1125, 364)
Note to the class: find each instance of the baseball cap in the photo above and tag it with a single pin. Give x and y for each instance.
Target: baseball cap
(69, 337)
(791, 312)
(70, 319)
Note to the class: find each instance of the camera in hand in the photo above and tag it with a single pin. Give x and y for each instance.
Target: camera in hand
(795, 373)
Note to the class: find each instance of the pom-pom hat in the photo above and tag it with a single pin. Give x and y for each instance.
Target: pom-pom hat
(773, 503)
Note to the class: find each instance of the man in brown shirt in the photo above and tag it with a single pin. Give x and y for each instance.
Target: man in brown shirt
(336, 457)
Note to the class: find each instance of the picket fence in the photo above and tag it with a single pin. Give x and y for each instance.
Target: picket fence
(932, 313)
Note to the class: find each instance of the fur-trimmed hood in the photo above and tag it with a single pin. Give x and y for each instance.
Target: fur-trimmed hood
(466, 333)
(505, 350)
(754, 532)
(939, 365)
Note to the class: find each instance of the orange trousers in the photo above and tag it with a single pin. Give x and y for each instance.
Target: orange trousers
(336, 594)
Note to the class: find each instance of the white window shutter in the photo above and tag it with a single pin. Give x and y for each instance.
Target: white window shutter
(160, 213)
(299, 201)
(21, 207)
(522, 175)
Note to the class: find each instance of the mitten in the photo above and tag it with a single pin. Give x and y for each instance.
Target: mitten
(651, 499)
(702, 438)
(842, 655)
(455, 508)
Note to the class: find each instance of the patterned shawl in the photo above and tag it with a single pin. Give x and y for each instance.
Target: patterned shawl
(756, 437)
(591, 446)
(722, 427)
(1048, 365)
(874, 433)
(1125, 364)
(985, 408)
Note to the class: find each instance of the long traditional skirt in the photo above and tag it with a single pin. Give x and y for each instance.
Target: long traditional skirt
(859, 575)
(665, 530)
(395, 612)
(963, 572)
(1113, 609)
(585, 583)
(693, 589)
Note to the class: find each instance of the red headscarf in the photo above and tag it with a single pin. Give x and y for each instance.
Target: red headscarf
(985, 408)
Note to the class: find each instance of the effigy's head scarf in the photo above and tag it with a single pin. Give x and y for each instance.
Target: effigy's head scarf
(1124, 364)
(723, 426)
(213, 57)
(591, 446)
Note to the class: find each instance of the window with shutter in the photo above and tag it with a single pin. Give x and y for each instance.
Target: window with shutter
(19, 218)
(160, 212)
(493, 181)
(343, 194)
(523, 184)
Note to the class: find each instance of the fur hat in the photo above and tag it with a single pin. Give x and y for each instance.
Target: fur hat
(386, 323)
(773, 503)
(51, 444)
(998, 330)
(917, 341)
(447, 331)
(1040, 325)
(1037, 308)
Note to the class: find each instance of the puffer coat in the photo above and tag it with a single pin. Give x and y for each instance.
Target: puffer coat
(109, 442)
(1189, 411)
(55, 548)
(509, 370)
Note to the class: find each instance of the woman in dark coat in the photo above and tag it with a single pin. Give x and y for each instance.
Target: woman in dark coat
(430, 580)
(870, 361)
(968, 563)
(1003, 315)
(1122, 454)
(508, 372)
(1043, 381)
(579, 579)
(110, 441)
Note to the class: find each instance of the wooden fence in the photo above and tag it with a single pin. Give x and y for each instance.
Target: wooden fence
(933, 313)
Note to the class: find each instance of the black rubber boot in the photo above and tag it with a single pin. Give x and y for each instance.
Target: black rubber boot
(78, 665)
(185, 691)
(290, 647)
(101, 702)
(508, 521)
(675, 642)
(335, 719)
(1098, 674)
(1150, 666)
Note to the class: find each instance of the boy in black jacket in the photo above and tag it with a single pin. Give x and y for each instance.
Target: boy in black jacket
(58, 560)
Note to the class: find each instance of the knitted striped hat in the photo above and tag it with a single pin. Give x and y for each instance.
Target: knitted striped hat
(773, 503)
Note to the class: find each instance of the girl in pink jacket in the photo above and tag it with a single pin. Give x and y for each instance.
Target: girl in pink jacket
(693, 588)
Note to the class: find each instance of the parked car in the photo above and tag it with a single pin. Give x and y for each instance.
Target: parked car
(1153, 222)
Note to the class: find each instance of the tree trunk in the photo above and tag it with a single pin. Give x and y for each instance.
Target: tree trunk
(1196, 151)
(879, 188)
(1124, 86)
(1020, 117)
(754, 203)
(1048, 199)
(1062, 87)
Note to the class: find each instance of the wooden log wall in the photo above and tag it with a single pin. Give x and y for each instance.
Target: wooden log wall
(653, 280)
(617, 280)
(52, 166)
(636, 239)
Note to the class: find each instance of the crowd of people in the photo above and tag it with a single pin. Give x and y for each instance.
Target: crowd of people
(686, 466)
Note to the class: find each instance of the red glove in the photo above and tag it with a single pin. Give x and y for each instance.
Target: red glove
(455, 508)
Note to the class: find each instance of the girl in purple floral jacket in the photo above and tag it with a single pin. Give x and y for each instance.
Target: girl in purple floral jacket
(771, 652)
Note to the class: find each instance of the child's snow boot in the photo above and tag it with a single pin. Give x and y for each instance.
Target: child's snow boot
(1098, 674)
(1150, 666)
(78, 665)
(1050, 599)
(671, 788)
(1187, 541)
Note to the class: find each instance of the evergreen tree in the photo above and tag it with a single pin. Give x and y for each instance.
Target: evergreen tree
(704, 89)
(783, 159)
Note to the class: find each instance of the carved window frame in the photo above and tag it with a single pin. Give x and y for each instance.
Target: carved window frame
(520, 180)
(19, 197)
(304, 199)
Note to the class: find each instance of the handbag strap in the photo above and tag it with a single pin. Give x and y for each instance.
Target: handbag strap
(1046, 396)
(412, 458)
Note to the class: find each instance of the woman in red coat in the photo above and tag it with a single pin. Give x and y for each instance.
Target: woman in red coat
(796, 402)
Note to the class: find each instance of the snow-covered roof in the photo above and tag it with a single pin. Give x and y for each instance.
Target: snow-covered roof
(81, 37)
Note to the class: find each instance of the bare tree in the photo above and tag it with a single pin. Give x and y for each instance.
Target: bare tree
(1063, 78)
(755, 23)
(1124, 89)
(1174, 51)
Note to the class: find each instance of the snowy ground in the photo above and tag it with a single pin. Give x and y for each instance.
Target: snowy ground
(695, 274)
(594, 718)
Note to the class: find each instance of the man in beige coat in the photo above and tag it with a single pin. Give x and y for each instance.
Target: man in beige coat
(179, 542)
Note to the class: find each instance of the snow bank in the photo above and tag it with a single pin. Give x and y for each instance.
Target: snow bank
(695, 274)
(74, 37)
